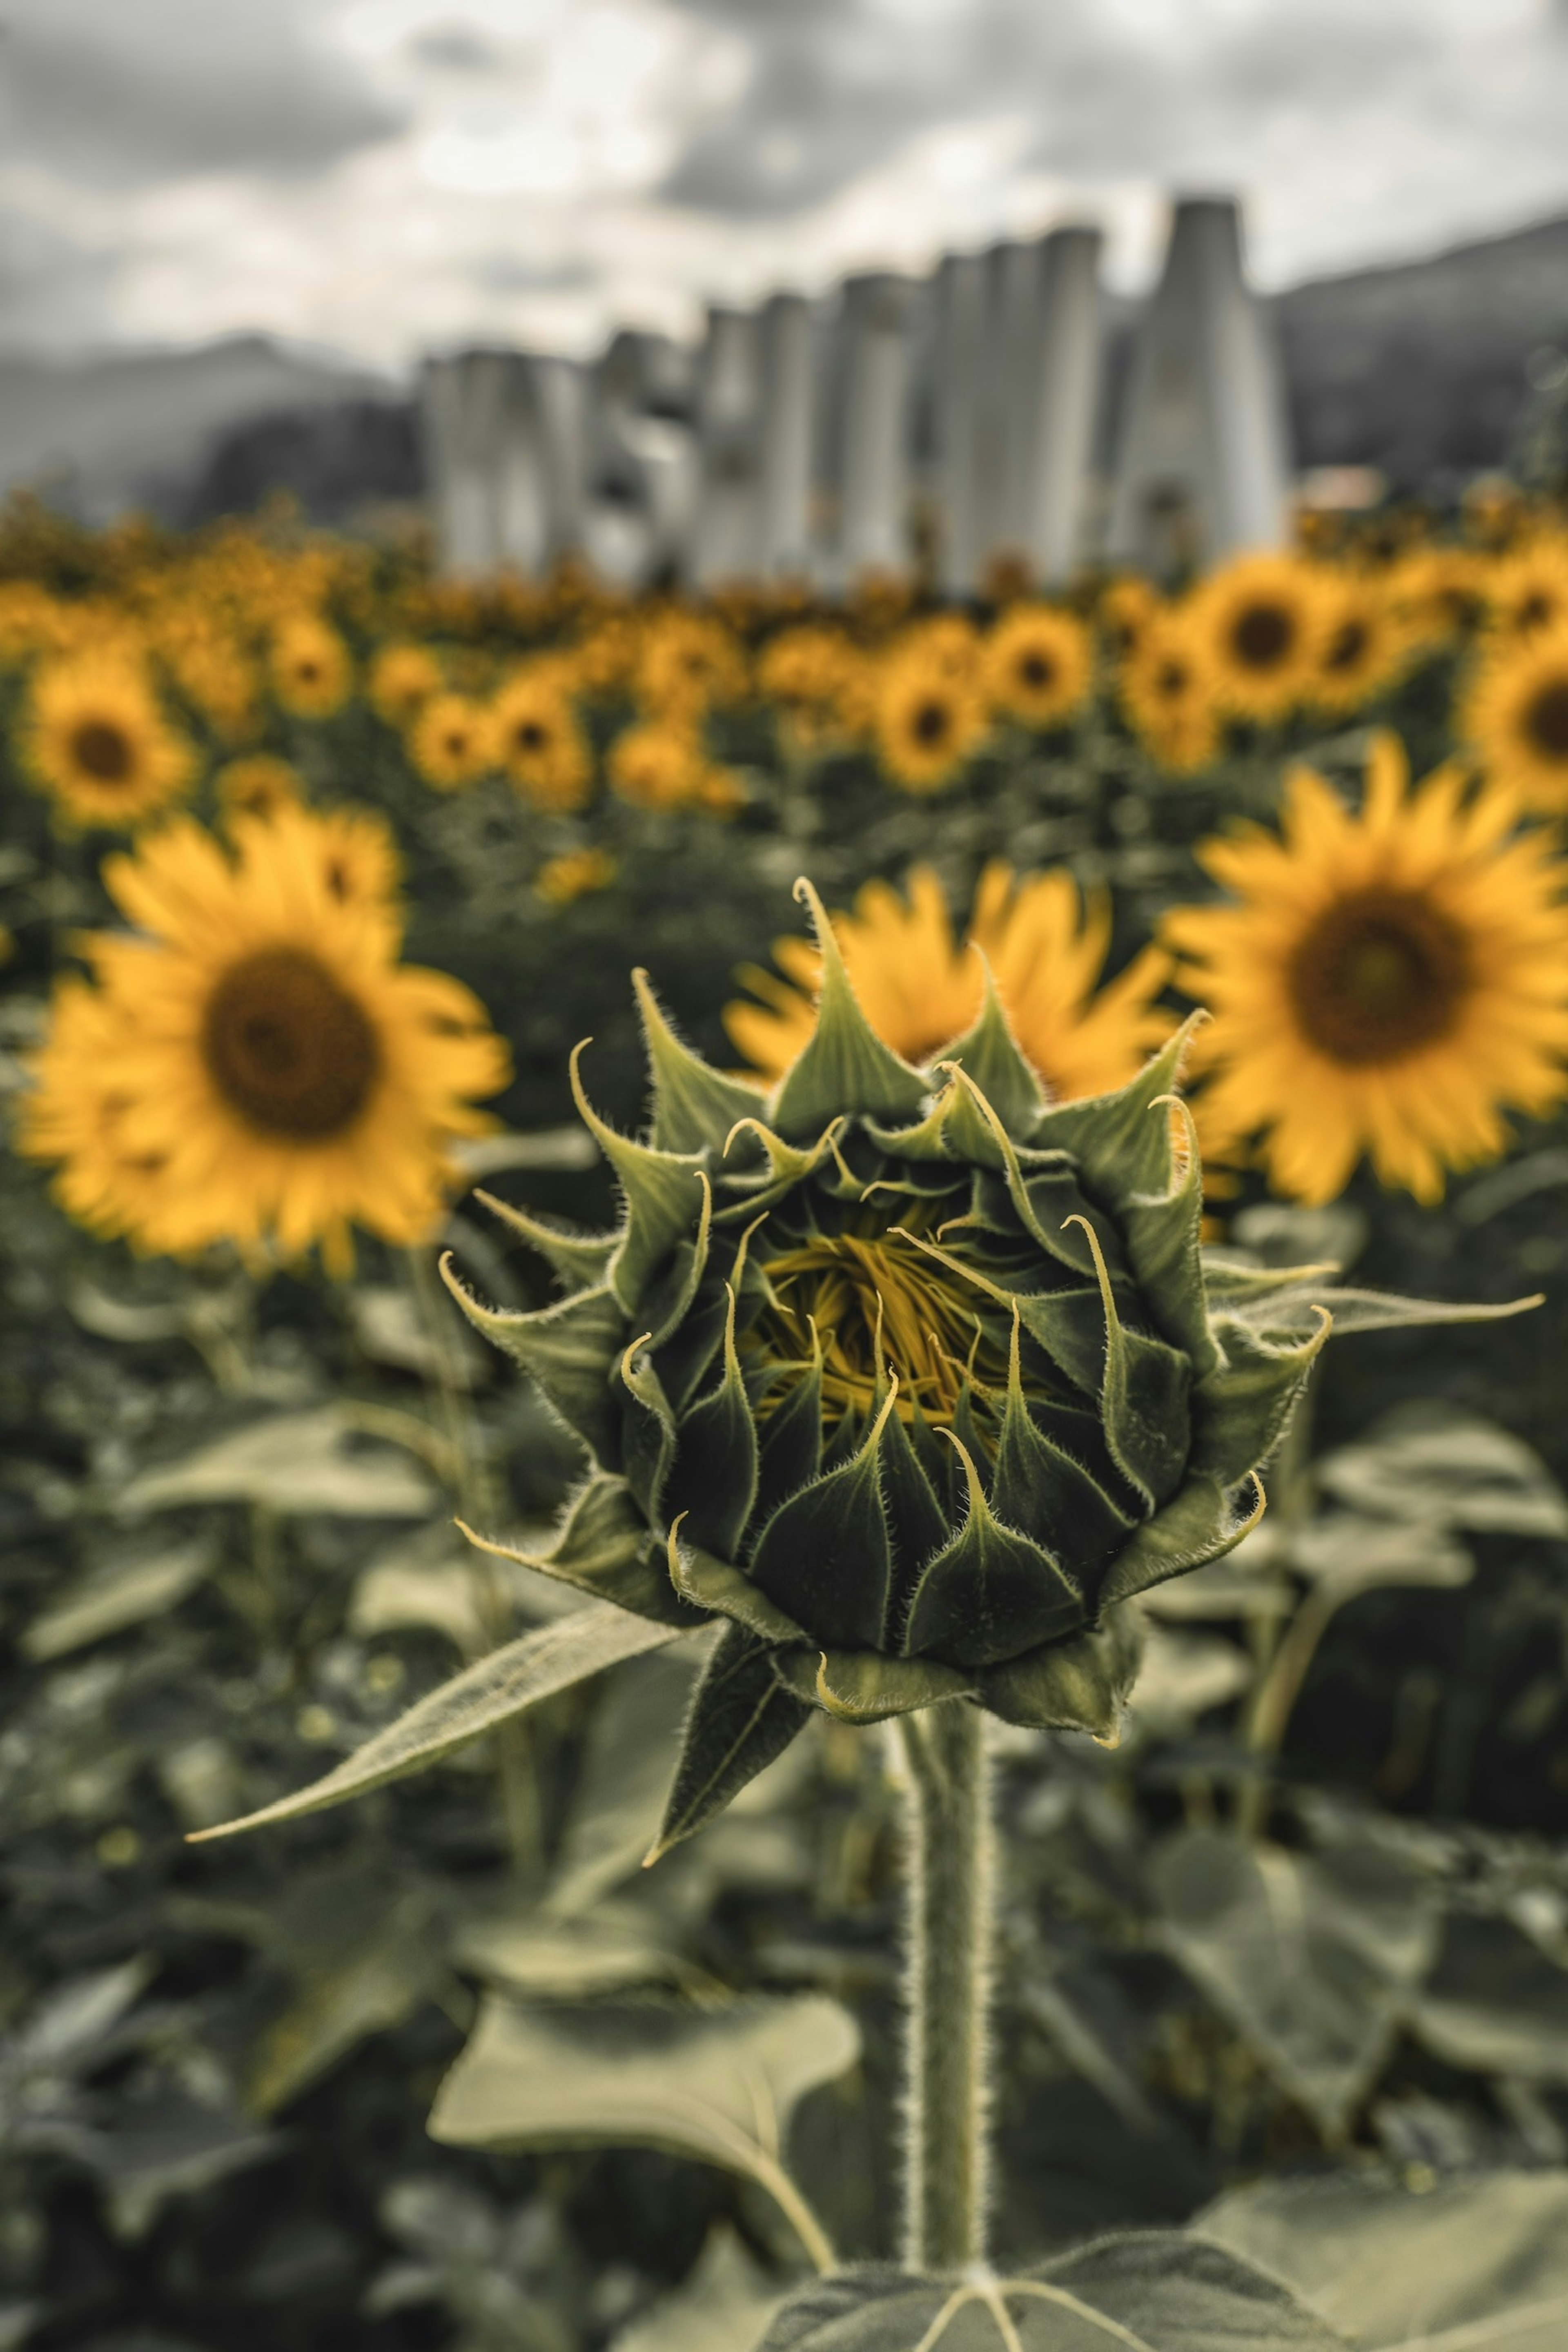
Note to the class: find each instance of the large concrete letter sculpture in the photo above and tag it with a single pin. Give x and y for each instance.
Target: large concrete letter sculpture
(1202, 466)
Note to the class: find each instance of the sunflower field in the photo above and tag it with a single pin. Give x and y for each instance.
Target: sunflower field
(440, 1477)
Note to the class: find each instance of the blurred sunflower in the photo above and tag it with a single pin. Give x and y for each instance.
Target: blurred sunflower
(277, 1076)
(561, 881)
(1381, 984)
(1439, 591)
(656, 767)
(920, 991)
(452, 742)
(403, 678)
(95, 738)
(539, 741)
(353, 850)
(258, 785)
(1167, 692)
(310, 666)
(685, 664)
(928, 723)
(1261, 617)
(815, 679)
(1124, 608)
(1039, 665)
(1527, 589)
(1515, 713)
(1365, 642)
(948, 643)
(604, 660)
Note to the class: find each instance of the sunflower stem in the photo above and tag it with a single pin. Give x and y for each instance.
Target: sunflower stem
(950, 1932)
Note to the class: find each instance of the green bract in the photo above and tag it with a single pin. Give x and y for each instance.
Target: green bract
(911, 1378)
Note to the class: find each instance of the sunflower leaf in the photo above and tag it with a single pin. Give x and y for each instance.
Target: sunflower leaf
(741, 1717)
(512, 1679)
(693, 1104)
(569, 1350)
(1077, 1685)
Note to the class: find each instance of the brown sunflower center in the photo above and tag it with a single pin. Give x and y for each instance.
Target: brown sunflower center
(1171, 680)
(931, 723)
(102, 750)
(1263, 635)
(530, 736)
(287, 1046)
(1348, 646)
(1037, 670)
(1546, 719)
(1381, 974)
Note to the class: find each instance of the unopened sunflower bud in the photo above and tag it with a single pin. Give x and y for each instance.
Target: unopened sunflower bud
(910, 1376)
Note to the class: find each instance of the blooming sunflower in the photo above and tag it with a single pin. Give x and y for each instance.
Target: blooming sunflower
(815, 679)
(539, 741)
(1527, 589)
(1515, 713)
(688, 662)
(1167, 692)
(452, 742)
(1262, 619)
(1383, 984)
(919, 990)
(258, 785)
(1038, 664)
(574, 875)
(1365, 642)
(403, 678)
(1439, 591)
(311, 667)
(353, 851)
(928, 723)
(276, 1073)
(95, 738)
(1124, 608)
(656, 766)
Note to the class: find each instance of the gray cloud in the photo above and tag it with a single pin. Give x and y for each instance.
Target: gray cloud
(837, 86)
(128, 93)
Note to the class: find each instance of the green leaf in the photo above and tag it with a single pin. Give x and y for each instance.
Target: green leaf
(364, 1954)
(990, 1594)
(693, 1104)
(865, 1685)
(1316, 1959)
(124, 1589)
(293, 1461)
(663, 1197)
(713, 1482)
(1143, 1397)
(844, 1067)
(1076, 1685)
(720, 2085)
(1475, 2265)
(1496, 2004)
(570, 1350)
(581, 1260)
(580, 1955)
(1429, 1462)
(716, 1584)
(825, 1555)
(1152, 2291)
(723, 2306)
(1036, 1484)
(513, 1678)
(741, 1719)
(1160, 1232)
(1239, 1411)
(1202, 1522)
(1122, 1149)
(633, 1735)
(602, 1549)
(989, 1053)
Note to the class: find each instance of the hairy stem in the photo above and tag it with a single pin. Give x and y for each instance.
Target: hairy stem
(949, 1908)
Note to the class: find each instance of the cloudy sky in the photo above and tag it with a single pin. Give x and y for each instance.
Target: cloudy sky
(385, 175)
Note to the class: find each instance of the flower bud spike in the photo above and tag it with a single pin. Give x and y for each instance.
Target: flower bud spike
(1143, 1394)
(1163, 1232)
(565, 1348)
(694, 1106)
(844, 1061)
(579, 1260)
(659, 1190)
(989, 1053)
